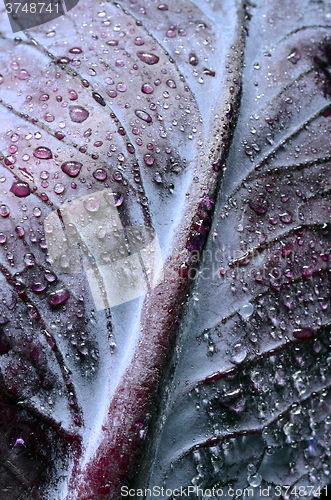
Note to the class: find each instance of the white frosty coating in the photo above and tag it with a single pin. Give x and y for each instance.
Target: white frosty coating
(121, 264)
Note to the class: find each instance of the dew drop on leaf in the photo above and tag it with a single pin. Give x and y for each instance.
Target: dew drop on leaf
(147, 88)
(20, 189)
(58, 297)
(98, 98)
(4, 211)
(148, 58)
(92, 204)
(71, 168)
(114, 199)
(43, 153)
(78, 114)
(143, 116)
(100, 174)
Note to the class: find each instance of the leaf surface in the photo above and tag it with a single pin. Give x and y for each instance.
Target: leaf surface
(250, 397)
(107, 100)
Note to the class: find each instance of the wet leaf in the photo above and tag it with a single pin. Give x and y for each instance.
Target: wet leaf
(164, 249)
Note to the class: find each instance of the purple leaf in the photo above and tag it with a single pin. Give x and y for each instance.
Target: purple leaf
(249, 403)
(165, 249)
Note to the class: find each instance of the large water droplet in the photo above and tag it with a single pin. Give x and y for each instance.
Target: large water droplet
(286, 218)
(23, 74)
(149, 160)
(92, 204)
(114, 199)
(58, 297)
(303, 333)
(246, 310)
(98, 98)
(71, 168)
(143, 115)
(75, 50)
(193, 59)
(171, 84)
(148, 58)
(255, 480)
(4, 211)
(147, 88)
(42, 153)
(121, 87)
(73, 95)
(100, 174)
(29, 259)
(78, 114)
(20, 189)
(258, 208)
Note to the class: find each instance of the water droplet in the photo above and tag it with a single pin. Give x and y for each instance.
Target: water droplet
(148, 58)
(171, 33)
(39, 287)
(4, 211)
(149, 160)
(43, 153)
(75, 50)
(163, 6)
(294, 56)
(98, 98)
(92, 204)
(147, 88)
(100, 174)
(143, 115)
(29, 259)
(78, 114)
(239, 354)
(50, 277)
(118, 176)
(193, 59)
(139, 41)
(20, 189)
(23, 74)
(158, 177)
(59, 135)
(303, 333)
(257, 207)
(59, 188)
(121, 87)
(255, 480)
(73, 95)
(48, 117)
(3, 238)
(171, 84)
(114, 199)
(112, 93)
(130, 148)
(286, 218)
(71, 168)
(59, 297)
(20, 231)
(36, 212)
(246, 310)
